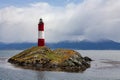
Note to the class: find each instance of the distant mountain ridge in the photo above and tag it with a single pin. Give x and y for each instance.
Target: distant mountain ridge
(14, 46)
(83, 45)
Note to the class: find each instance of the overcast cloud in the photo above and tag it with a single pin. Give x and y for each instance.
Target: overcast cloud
(93, 20)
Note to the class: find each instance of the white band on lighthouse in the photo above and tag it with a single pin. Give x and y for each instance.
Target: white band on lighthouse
(41, 34)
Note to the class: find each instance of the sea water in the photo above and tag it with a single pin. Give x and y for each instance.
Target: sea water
(106, 66)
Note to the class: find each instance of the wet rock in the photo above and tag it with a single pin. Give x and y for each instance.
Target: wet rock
(87, 58)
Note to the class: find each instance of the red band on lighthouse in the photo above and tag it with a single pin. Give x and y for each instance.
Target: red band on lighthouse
(41, 41)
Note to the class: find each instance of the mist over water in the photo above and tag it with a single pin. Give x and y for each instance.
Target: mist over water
(106, 66)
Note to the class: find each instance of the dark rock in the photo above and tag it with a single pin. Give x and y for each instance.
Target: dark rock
(87, 58)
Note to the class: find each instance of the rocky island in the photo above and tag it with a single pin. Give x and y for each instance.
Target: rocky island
(45, 59)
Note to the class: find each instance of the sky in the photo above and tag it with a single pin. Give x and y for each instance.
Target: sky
(71, 20)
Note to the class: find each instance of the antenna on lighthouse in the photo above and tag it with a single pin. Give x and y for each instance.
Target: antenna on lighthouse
(41, 40)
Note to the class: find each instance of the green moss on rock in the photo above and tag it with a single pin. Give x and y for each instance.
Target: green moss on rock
(43, 58)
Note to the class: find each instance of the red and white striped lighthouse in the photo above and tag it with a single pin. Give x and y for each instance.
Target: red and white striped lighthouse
(41, 40)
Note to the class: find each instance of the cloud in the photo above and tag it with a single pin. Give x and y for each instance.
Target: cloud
(92, 20)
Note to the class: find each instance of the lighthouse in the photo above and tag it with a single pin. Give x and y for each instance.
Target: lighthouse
(41, 40)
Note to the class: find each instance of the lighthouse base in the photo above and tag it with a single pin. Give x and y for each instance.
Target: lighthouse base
(41, 42)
